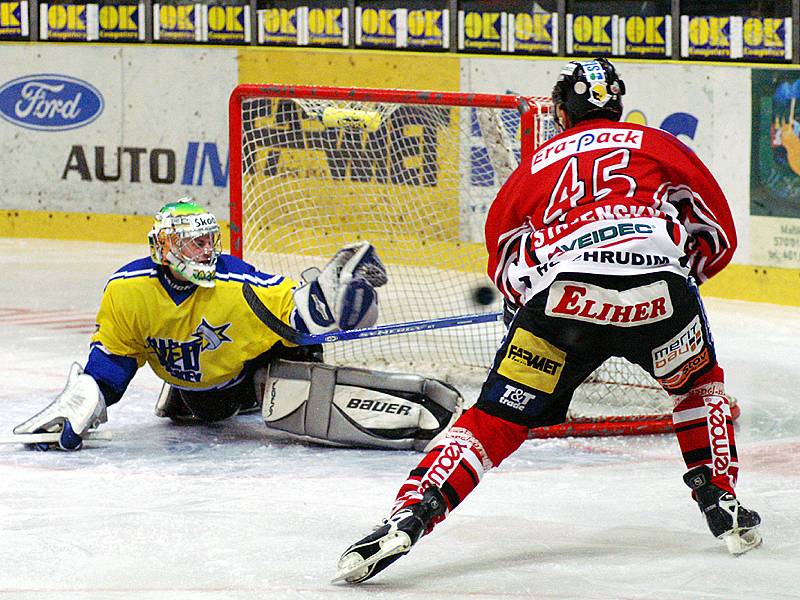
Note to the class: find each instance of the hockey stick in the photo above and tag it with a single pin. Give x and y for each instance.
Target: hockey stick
(307, 339)
(50, 438)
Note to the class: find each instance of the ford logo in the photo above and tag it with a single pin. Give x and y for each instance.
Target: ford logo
(50, 102)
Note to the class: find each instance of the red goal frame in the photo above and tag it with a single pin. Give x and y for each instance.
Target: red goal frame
(575, 426)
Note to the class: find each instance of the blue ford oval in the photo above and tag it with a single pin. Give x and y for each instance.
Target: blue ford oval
(49, 102)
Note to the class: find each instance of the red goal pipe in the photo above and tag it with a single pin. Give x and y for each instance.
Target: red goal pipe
(235, 171)
(611, 425)
(376, 95)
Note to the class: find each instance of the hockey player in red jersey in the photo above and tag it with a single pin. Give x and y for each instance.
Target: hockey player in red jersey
(597, 243)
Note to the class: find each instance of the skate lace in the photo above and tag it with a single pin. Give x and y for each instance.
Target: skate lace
(381, 523)
(395, 518)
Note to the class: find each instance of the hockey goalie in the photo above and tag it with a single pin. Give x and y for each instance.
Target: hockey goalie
(183, 312)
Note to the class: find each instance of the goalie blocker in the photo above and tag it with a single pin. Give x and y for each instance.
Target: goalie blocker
(345, 406)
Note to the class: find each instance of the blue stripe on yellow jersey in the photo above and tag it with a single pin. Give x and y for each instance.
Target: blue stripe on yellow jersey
(192, 337)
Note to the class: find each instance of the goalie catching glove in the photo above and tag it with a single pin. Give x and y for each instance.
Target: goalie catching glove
(344, 406)
(79, 407)
(342, 295)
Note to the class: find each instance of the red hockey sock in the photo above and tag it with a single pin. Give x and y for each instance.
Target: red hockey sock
(476, 443)
(703, 424)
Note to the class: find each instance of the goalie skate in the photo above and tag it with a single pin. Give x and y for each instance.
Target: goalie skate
(391, 540)
(727, 519)
(52, 437)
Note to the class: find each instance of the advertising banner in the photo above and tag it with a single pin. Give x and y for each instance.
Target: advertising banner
(645, 36)
(533, 32)
(121, 22)
(775, 168)
(286, 24)
(68, 21)
(379, 26)
(329, 25)
(96, 21)
(114, 130)
(711, 37)
(14, 21)
(752, 38)
(592, 34)
(227, 22)
(767, 38)
(415, 25)
(428, 28)
(481, 29)
(178, 22)
(282, 24)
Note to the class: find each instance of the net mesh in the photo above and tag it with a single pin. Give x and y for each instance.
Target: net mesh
(416, 180)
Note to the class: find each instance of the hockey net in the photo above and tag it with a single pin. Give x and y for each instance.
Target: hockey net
(414, 173)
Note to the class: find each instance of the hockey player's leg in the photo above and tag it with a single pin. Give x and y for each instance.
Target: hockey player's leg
(170, 405)
(210, 406)
(182, 406)
(475, 443)
(705, 434)
(451, 470)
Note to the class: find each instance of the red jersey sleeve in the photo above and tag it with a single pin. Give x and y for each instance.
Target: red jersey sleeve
(506, 228)
(702, 208)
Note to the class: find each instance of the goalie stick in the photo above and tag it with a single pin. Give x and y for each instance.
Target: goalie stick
(307, 339)
(52, 438)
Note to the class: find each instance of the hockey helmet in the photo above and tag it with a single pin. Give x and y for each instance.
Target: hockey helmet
(588, 89)
(186, 238)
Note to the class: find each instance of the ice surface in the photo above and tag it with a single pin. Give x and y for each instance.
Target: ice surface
(165, 511)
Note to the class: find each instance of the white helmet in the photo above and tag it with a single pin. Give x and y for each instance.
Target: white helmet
(186, 238)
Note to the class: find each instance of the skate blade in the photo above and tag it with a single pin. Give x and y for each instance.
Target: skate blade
(740, 542)
(352, 566)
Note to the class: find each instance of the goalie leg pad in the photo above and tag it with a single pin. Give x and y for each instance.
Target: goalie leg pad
(346, 406)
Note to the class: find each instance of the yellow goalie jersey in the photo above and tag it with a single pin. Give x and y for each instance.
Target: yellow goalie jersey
(192, 337)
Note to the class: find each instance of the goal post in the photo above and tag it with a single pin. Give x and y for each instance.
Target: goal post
(414, 173)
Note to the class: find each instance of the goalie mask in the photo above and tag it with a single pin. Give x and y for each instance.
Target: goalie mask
(587, 90)
(186, 238)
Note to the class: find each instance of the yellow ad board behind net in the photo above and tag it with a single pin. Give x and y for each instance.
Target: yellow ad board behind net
(320, 174)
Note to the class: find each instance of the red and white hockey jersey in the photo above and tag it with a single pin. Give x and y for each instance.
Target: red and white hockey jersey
(608, 198)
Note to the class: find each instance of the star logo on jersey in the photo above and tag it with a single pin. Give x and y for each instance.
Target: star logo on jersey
(181, 359)
(211, 337)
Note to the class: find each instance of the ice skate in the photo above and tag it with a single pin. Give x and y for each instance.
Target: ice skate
(251, 407)
(391, 540)
(170, 405)
(727, 519)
